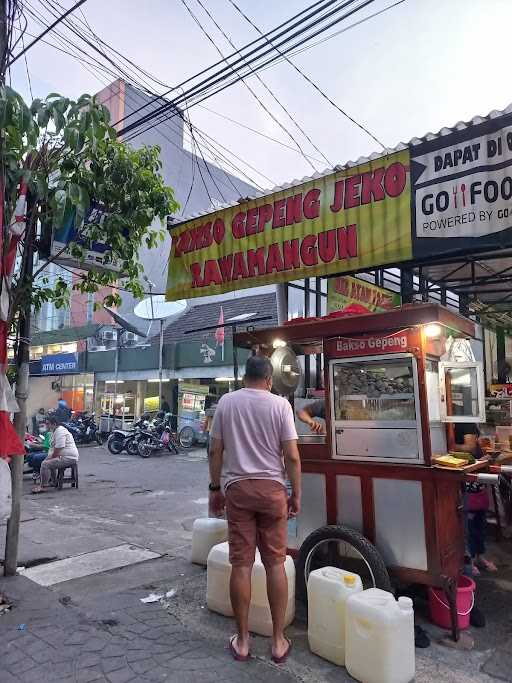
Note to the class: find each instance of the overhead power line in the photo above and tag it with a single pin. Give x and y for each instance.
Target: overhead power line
(113, 70)
(308, 78)
(219, 78)
(50, 28)
(271, 93)
(212, 66)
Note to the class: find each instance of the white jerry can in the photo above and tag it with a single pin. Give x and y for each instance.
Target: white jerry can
(217, 590)
(207, 532)
(328, 591)
(379, 645)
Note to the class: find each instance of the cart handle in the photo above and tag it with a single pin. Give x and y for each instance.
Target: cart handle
(501, 469)
(460, 614)
(483, 477)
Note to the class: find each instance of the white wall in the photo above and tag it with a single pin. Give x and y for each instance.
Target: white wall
(41, 395)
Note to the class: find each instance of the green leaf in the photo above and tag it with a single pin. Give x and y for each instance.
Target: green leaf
(43, 116)
(60, 197)
(74, 193)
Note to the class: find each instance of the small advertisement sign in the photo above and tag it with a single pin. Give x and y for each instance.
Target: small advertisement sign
(501, 391)
(59, 364)
(94, 256)
(462, 189)
(368, 345)
(346, 290)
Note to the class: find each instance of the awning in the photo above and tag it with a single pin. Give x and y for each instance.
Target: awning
(486, 279)
(65, 335)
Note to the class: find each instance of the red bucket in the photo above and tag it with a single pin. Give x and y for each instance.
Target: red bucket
(440, 609)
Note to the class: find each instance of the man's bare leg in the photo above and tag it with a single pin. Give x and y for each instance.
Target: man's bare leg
(240, 593)
(277, 591)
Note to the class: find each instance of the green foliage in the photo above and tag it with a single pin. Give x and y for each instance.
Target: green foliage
(68, 154)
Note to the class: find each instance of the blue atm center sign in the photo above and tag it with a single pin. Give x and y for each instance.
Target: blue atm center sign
(59, 364)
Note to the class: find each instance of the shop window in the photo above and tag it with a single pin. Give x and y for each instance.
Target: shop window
(296, 301)
(68, 348)
(36, 352)
(90, 307)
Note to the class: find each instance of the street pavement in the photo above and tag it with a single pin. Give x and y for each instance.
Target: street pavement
(95, 628)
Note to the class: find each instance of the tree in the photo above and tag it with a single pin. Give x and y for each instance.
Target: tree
(66, 154)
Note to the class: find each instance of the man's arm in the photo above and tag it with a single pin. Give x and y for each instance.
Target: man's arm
(307, 414)
(293, 470)
(217, 501)
(216, 458)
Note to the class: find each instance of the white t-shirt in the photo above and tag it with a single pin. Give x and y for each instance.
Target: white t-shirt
(63, 440)
(253, 423)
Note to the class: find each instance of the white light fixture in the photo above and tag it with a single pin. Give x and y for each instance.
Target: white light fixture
(278, 343)
(113, 381)
(157, 380)
(224, 379)
(242, 316)
(433, 331)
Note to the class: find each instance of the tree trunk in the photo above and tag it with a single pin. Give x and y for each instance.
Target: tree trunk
(22, 388)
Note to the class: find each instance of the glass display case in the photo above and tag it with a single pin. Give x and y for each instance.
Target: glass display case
(462, 392)
(375, 407)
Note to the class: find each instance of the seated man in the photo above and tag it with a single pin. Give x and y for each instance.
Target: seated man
(63, 453)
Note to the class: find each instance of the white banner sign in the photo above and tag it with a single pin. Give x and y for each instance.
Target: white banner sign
(465, 189)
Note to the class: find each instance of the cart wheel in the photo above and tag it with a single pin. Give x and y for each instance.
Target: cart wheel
(339, 546)
(186, 437)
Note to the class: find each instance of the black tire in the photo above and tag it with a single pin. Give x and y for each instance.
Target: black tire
(132, 446)
(144, 447)
(365, 560)
(115, 445)
(186, 437)
(173, 446)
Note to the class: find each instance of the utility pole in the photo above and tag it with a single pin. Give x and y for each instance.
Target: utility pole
(4, 57)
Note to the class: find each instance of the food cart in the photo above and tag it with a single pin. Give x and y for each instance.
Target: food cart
(374, 499)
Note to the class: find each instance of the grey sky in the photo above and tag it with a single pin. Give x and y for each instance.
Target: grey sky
(421, 66)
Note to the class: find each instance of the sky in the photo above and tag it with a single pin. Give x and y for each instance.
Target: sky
(418, 67)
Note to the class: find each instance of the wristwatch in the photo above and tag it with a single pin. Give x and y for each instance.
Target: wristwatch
(213, 488)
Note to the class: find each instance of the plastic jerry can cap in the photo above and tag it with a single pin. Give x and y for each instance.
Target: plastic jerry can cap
(349, 579)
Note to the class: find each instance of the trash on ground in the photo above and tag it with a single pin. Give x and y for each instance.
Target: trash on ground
(5, 605)
(22, 627)
(159, 597)
(152, 597)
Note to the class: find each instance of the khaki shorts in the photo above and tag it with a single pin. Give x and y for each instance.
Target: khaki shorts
(257, 513)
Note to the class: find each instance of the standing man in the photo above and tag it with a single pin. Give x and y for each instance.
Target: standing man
(63, 453)
(253, 446)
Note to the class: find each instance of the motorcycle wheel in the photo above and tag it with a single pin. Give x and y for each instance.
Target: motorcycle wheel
(132, 446)
(115, 444)
(98, 438)
(144, 448)
(186, 437)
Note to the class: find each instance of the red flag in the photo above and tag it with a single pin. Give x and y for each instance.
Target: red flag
(220, 331)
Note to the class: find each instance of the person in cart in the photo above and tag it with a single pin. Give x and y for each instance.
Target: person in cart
(311, 414)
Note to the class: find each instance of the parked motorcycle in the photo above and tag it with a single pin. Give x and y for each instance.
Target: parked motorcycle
(84, 429)
(126, 440)
(158, 437)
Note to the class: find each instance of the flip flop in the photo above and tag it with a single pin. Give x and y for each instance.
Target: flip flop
(236, 655)
(37, 491)
(487, 566)
(282, 659)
